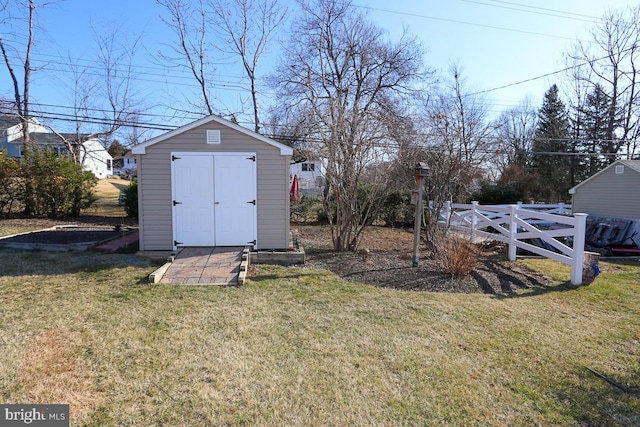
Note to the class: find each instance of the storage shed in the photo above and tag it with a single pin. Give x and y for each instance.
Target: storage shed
(213, 183)
(614, 192)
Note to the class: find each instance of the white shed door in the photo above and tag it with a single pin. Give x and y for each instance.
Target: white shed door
(214, 199)
(236, 201)
(193, 198)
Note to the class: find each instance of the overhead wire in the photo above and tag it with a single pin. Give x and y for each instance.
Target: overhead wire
(222, 86)
(456, 21)
(545, 12)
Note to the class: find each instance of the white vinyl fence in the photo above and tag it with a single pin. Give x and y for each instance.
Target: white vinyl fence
(513, 224)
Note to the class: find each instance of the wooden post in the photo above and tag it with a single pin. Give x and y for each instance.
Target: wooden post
(418, 223)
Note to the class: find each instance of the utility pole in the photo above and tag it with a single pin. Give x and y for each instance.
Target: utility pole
(422, 171)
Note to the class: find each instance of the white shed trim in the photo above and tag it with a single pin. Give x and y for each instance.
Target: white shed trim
(141, 148)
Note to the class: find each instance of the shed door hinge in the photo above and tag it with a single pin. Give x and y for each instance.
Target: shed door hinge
(253, 242)
(176, 243)
(252, 158)
(176, 203)
(174, 158)
(253, 202)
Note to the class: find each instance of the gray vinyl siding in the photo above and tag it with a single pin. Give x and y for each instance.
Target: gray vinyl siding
(154, 181)
(609, 194)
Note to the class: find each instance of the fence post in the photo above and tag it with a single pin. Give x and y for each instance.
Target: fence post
(578, 248)
(474, 221)
(560, 208)
(513, 231)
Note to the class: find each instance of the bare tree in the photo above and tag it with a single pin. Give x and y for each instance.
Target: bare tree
(457, 143)
(247, 27)
(189, 23)
(105, 102)
(21, 92)
(341, 72)
(515, 132)
(612, 57)
(458, 124)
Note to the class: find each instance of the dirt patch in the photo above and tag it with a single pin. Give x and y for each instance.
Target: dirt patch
(52, 373)
(385, 259)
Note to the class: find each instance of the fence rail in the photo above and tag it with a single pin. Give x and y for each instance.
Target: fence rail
(513, 224)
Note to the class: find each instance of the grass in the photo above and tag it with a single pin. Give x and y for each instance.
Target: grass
(107, 192)
(301, 347)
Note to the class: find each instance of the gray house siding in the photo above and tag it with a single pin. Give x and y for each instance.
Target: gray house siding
(610, 195)
(154, 185)
(13, 150)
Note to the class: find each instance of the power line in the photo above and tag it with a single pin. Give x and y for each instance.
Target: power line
(455, 21)
(543, 11)
(634, 47)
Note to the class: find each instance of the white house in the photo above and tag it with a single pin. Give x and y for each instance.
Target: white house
(310, 173)
(95, 157)
(126, 165)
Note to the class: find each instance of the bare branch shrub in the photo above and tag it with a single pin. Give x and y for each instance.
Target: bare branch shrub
(458, 255)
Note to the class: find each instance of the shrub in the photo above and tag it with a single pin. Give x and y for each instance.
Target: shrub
(397, 208)
(497, 194)
(55, 186)
(306, 210)
(131, 199)
(10, 184)
(458, 256)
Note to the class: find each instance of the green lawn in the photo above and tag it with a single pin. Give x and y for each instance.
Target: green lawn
(302, 347)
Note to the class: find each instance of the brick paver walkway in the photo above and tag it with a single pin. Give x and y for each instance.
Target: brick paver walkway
(201, 266)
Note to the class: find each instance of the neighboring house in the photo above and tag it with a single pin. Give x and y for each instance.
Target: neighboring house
(213, 183)
(95, 157)
(11, 130)
(126, 165)
(614, 192)
(310, 176)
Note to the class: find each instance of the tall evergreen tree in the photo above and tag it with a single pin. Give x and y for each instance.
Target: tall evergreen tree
(550, 162)
(594, 120)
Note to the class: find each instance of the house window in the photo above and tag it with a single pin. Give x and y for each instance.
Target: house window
(109, 164)
(308, 167)
(619, 169)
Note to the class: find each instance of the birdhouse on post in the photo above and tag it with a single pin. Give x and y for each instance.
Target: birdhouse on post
(421, 172)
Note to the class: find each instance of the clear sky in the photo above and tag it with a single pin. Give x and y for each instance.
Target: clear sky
(497, 43)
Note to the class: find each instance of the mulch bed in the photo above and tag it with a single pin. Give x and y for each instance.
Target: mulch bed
(65, 236)
(86, 229)
(385, 259)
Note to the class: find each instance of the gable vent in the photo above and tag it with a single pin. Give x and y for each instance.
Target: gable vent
(619, 169)
(213, 136)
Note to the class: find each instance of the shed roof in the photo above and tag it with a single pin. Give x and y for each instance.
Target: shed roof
(285, 150)
(631, 164)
